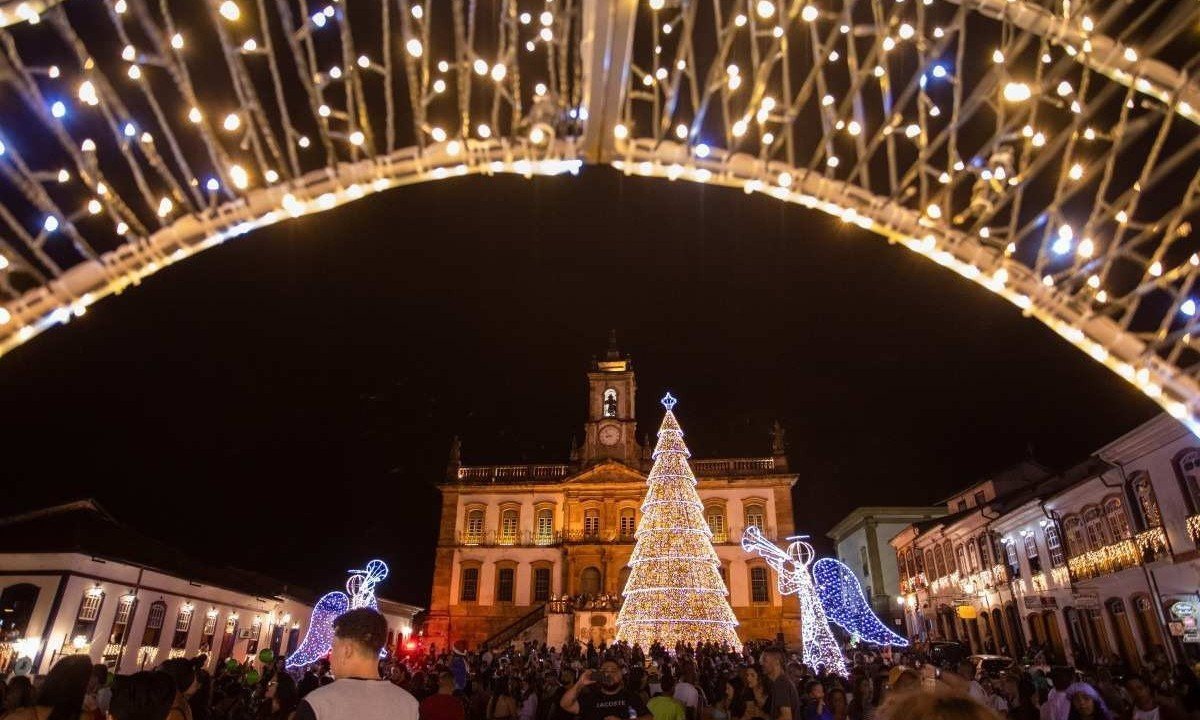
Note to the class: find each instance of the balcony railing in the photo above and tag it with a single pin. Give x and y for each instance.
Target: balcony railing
(512, 473)
(733, 466)
(1144, 547)
(490, 538)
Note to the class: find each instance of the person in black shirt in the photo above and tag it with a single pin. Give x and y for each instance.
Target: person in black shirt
(785, 699)
(611, 701)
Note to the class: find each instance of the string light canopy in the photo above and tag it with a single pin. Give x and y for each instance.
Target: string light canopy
(1044, 152)
(674, 593)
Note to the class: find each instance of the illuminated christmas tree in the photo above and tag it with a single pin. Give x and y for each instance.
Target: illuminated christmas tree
(674, 592)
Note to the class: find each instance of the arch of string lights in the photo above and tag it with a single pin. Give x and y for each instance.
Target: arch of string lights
(1044, 149)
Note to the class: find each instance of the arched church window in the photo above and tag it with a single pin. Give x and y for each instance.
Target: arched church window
(508, 526)
(591, 522)
(545, 526)
(628, 523)
(610, 403)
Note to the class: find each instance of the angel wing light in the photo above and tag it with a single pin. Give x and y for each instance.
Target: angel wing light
(360, 592)
(842, 597)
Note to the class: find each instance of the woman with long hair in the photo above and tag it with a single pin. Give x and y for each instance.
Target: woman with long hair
(62, 692)
(282, 697)
(755, 697)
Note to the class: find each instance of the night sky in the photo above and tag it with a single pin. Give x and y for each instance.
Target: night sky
(286, 402)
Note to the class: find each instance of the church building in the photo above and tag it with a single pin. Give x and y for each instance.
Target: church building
(540, 551)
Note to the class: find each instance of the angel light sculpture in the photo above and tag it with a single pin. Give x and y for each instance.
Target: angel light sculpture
(360, 592)
(829, 592)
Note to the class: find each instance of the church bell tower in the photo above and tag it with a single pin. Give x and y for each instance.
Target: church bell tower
(611, 429)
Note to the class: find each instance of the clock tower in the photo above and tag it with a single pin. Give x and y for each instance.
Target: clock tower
(611, 429)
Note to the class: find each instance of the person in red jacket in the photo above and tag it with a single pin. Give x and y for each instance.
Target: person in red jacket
(443, 705)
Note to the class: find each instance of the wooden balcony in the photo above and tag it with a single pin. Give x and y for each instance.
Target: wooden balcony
(1144, 547)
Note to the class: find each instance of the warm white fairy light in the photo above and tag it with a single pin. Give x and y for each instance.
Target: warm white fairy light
(1017, 92)
(230, 10)
(414, 47)
(232, 122)
(674, 592)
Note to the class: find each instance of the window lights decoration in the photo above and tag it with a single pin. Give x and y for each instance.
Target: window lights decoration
(360, 592)
(674, 592)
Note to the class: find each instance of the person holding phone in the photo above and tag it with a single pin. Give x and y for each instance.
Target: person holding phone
(601, 695)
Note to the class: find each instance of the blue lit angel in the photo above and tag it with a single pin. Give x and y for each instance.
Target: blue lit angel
(360, 592)
(829, 593)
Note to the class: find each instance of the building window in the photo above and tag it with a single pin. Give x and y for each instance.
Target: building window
(930, 565)
(154, 624)
(508, 526)
(1076, 537)
(949, 550)
(210, 623)
(183, 623)
(469, 592)
(541, 584)
(1187, 467)
(961, 554)
(940, 559)
(628, 523)
(760, 592)
(1031, 554)
(16, 607)
(982, 543)
(504, 584)
(1097, 529)
(962, 505)
(89, 611)
(89, 608)
(255, 636)
(1058, 558)
(1147, 502)
(545, 526)
(1010, 554)
(1118, 523)
(756, 516)
(716, 523)
(591, 522)
(121, 620)
(474, 534)
(973, 556)
(980, 498)
(589, 581)
(610, 403)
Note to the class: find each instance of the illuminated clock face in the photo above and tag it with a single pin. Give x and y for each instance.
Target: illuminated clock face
(610, 435)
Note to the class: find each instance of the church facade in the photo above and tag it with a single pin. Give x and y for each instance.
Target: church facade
(540, 551)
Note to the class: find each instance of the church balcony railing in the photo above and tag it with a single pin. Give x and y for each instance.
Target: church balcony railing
(512, 473)
(733, 466)
(522, 539)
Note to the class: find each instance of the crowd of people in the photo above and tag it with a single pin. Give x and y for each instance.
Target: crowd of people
(761, 681)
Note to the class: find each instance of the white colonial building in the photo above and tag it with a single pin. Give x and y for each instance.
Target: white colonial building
(861, 542)
(1097, 564)
(73, 580)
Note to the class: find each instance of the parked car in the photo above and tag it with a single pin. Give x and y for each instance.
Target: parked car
(947, 654)
(991, 665)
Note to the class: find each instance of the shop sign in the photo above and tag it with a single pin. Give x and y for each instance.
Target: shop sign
(1183, 609)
